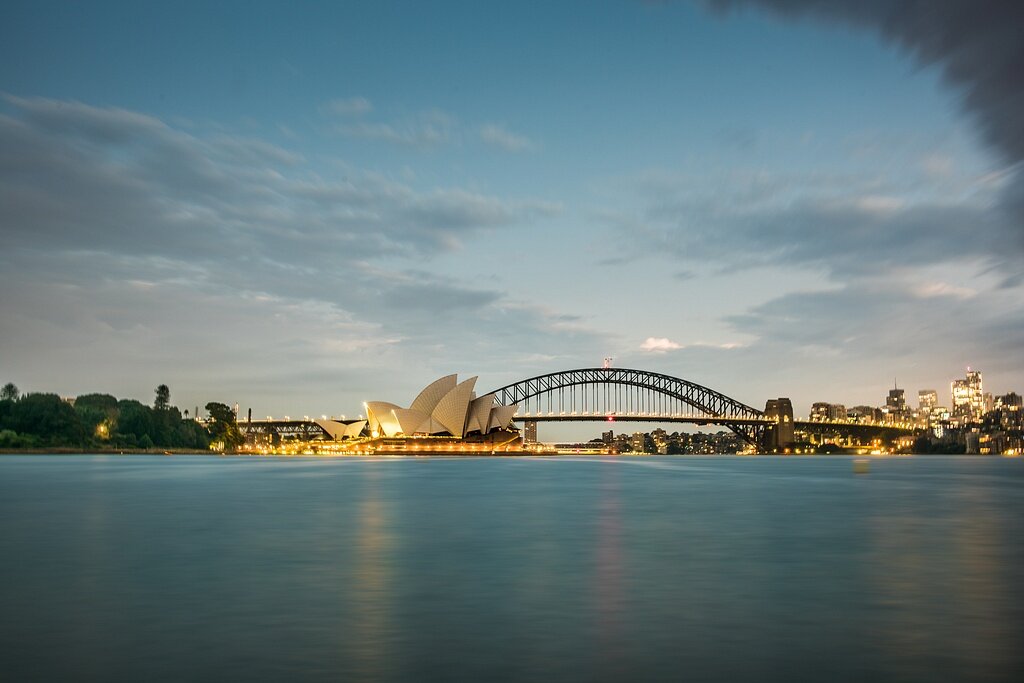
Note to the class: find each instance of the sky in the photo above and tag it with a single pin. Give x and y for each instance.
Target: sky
(298, 207)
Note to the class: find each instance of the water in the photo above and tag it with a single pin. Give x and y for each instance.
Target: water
(130, 568)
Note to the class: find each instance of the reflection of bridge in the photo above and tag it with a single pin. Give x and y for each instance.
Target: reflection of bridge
(615, 394)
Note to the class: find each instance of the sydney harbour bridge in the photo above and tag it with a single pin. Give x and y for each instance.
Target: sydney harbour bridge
(620, 395)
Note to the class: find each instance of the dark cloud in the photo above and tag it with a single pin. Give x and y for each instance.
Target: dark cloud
(431, 298)
(976, 43)
(979, 48)
(854, 235)
(81, 177)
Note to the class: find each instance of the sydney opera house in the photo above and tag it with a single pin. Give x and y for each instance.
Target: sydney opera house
(446, 407)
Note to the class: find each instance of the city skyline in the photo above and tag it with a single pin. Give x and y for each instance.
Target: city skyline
(302, 211)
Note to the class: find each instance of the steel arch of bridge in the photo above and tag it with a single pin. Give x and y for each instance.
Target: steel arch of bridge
(747, 422)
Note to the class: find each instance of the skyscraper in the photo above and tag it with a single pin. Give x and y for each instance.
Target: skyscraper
(530, 431)
(896, 406)
(968, 397)
(927, 399)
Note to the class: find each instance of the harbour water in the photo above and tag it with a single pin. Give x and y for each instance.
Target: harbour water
(131, 568)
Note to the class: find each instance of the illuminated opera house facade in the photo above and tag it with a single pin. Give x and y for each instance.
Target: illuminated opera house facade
(445, 408)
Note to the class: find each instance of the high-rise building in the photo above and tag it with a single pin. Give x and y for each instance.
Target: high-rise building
(896, 402)
(896, 406)
(530, 431)
(1011, 411)
(608, 437)
(927, 399)
(968, 397)
(864, 414)
(638, 442)
(828, 412)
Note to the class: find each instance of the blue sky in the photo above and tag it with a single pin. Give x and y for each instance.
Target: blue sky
(301, 207)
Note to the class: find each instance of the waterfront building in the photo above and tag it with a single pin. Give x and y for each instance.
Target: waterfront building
(1011, 412)
(530, 431)
(828, 412)
(819, 412)
(864, 414)
(446, 407)
(638, 442)
(968, 397)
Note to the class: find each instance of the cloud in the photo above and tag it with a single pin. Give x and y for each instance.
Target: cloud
(845, 226)
(500, 136)
(976, 45)
(425, 130)
(978, 48)
(121, 231)
(659, 345)
(81, 177)
(428, 129)
(352, 106)
(413, 135)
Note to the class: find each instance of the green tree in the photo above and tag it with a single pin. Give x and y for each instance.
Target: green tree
(6, 407)
(9, 439)
(98, 413)
(166, 426)
(190, 434)
(223, 427)
(163, 397)
(9, 392)
(47, 416)
(134, 419)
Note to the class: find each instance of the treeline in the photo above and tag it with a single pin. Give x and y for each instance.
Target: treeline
(96, 421)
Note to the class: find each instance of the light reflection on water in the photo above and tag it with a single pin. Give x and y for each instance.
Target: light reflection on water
(580, 569)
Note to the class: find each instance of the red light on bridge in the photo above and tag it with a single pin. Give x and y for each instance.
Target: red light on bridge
(611, 418)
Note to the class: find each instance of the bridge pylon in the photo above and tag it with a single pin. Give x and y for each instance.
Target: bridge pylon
(781, 435)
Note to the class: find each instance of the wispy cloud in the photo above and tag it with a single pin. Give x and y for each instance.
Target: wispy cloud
(351, 106)
(424, 130)
(498, 135)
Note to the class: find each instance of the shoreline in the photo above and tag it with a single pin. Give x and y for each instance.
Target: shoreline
(450, 454)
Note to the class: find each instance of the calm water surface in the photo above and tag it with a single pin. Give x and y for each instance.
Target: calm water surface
(132, 568)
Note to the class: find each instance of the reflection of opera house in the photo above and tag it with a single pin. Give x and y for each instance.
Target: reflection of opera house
(447, 408)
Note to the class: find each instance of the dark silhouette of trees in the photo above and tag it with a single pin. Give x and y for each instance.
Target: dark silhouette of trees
(9, 392)
(98, 413)
(46, 417)
(223, 427)
(163, 397)
(45, 420)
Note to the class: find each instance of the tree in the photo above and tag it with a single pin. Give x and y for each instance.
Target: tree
(98, 414)
(163, 397)
(9, 392)
(48, 417)
(135, 418)
(223, 427)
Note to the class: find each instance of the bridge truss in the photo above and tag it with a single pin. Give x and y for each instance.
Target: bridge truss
(600, 393)
(300, 430)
